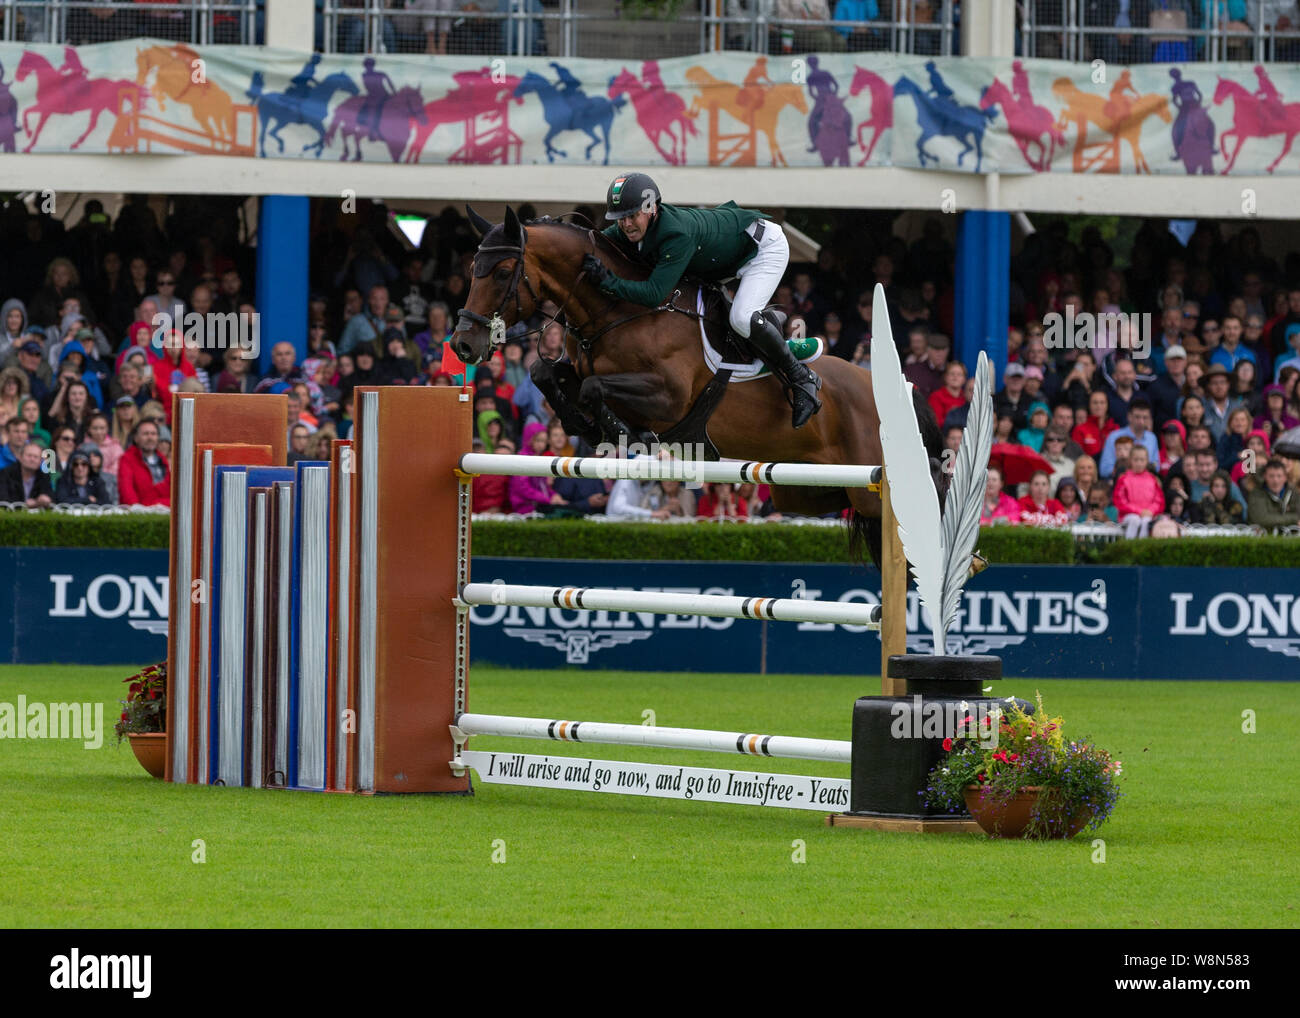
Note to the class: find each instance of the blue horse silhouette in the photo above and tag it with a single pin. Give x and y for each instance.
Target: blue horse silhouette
(939, 115)
(570, 109)
(306, 104)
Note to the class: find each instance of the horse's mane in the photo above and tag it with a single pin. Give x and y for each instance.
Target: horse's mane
(614, 256)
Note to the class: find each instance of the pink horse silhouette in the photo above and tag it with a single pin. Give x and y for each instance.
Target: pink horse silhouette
(659, 112)
(882, 108)
(477, 94)
(1252, 118)
(1028, 123)
(57, 94)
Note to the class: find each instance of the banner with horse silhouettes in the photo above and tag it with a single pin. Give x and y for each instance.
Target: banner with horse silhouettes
(714, 109)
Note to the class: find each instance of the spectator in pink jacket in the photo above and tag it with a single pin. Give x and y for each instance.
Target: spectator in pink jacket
(998, 505)
(1138, 497)
(533, 494)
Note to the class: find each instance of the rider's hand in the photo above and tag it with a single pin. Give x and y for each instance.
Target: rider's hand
(595, 269)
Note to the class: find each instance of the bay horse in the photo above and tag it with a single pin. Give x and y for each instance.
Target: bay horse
(646, 365)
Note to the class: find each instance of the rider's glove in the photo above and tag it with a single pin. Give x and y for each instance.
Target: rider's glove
(595, 269)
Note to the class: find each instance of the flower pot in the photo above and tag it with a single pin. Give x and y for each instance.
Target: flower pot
(150, 748)
(1011, 818)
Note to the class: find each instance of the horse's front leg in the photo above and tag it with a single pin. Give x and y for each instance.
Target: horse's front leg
(558, 382)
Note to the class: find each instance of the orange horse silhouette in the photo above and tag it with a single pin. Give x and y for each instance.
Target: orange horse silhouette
(756, 106)
(173, 70)
(1118, 116)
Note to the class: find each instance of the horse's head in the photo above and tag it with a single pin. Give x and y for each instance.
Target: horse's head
(1222, 90)
(992, 94)
(623, 81)
(531, 83)
(31, 63)
(860, 80)
(411, 103)
(494, 301)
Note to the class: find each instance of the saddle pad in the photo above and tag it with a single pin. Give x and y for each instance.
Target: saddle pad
(806, 350)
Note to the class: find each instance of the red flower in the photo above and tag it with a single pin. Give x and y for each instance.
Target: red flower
(123, 715)
(153, 694)
(1013, 757)
(947, 745)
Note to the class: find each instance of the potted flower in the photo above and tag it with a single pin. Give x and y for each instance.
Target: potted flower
(144, 717)
(1029, 781)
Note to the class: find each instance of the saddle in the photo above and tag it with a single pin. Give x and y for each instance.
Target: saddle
(732, 350)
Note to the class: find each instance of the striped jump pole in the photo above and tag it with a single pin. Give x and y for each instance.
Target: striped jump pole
(649, 468)
(784, 747)
(778, 609)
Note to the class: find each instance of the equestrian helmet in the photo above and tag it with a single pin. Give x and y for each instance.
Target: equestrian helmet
(627, 194)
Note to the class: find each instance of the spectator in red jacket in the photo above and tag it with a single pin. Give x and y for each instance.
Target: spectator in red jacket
(951, 395)
(1038, 508)
(1092, 433)
(490, 493)
(143, 476)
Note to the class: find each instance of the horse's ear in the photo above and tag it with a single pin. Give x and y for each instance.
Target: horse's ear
(514, 231)
(480, 224)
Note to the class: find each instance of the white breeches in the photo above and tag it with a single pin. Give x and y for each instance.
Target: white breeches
(760, 276)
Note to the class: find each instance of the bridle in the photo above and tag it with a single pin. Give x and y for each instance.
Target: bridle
(485, 260)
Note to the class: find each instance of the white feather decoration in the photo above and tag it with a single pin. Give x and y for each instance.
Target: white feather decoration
(961, 511)
(907, 465)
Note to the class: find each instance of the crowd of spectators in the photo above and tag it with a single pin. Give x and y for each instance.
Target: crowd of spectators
(1183, 435)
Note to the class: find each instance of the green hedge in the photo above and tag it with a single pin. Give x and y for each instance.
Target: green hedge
(1230, 552)
(64, 530)
(705, 542)
(571, 538)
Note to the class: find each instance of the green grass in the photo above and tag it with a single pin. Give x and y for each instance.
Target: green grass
(1204, 835)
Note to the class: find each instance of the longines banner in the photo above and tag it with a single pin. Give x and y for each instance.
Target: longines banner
(110, 607)
(713, 109)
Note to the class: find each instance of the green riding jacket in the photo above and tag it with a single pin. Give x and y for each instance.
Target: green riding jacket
(710, 244)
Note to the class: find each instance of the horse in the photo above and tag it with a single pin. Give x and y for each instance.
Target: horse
(724, 95)
(478, 95)
(658, 112)
(1250, 119)
(1028, 123)
(571, 111)
(948, 119)
(309, 110)
(212, 107)
(57, 94)
(1083, 107)
(395, 117)
(882, 108)
(646, 366)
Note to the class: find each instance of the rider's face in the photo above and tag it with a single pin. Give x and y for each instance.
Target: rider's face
(635, 225)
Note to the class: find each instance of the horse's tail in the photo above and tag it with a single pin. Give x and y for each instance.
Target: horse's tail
(620, 102)
(867, 531)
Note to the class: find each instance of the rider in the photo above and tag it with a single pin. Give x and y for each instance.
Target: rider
(819, 83)
(567, 84)
(378, 86)
(1270, 100)
(1020, 83)
(938, 87)
(712, 244)
(300, 84)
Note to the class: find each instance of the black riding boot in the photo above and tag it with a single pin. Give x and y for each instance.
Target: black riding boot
(801, 383)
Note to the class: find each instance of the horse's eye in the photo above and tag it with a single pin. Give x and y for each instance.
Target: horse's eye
(503, 274)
